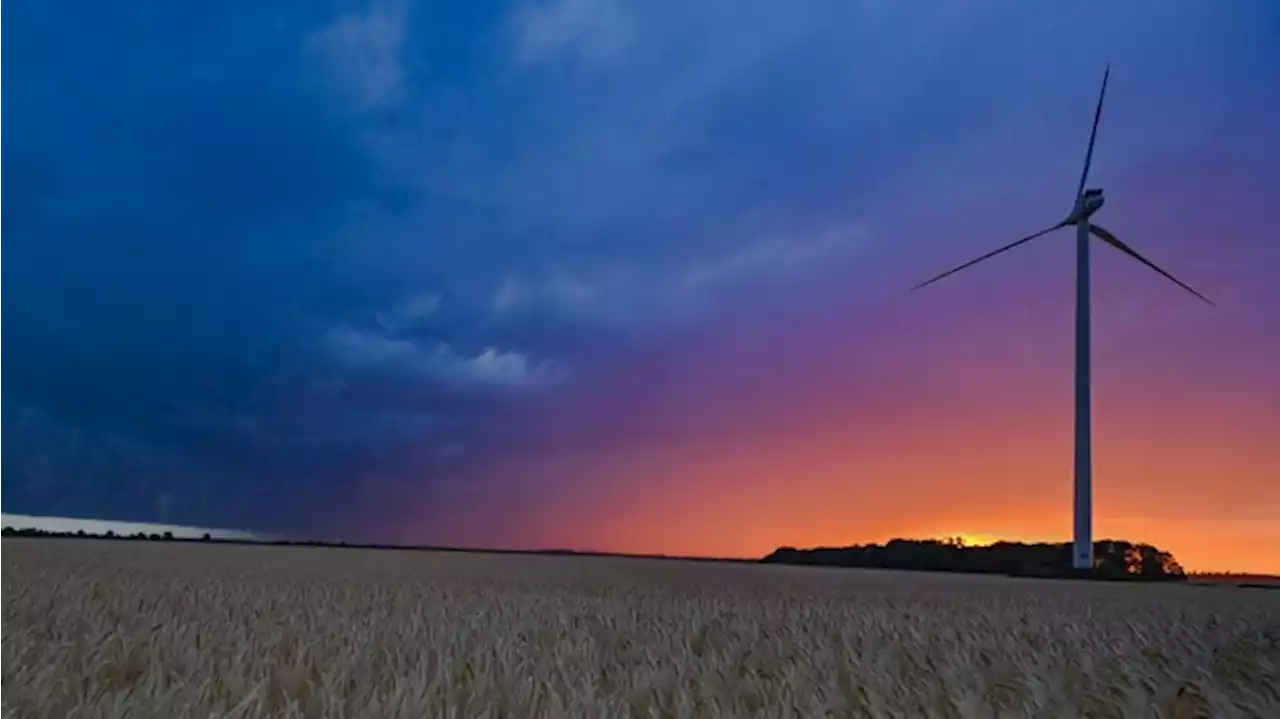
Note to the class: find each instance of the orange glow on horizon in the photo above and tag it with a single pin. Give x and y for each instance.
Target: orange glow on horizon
(834, 480)
(745, 500)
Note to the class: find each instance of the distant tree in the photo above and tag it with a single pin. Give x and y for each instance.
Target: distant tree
(7, 532)
(205, 537)
(168, 536)
(110, 534)
(80, 533)
(1156, 563)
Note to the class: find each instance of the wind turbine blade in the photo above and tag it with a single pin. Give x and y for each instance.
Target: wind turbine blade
(1105, 235)
(989, 255)
(1093, 134)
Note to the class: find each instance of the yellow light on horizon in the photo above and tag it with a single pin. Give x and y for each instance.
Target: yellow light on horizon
(977, 540)
(985, 539)
(970, 539)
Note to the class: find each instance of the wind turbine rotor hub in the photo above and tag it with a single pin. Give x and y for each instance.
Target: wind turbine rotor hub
(1091, 202)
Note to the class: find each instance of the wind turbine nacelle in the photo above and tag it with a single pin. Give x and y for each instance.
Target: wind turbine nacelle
(1091, 202)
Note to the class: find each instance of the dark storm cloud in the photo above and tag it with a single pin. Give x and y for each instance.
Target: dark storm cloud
(175, 185)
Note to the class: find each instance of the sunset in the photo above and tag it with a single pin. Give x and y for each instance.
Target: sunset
(620, 278)
(711, 359)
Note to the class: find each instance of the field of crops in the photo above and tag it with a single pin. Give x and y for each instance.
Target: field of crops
(95, 628)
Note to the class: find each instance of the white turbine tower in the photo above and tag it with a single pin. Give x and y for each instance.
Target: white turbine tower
(1087, 202)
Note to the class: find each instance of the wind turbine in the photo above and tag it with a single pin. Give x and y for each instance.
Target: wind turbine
(1087, 202)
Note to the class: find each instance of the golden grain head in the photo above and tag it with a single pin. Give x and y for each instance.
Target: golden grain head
(113, 629)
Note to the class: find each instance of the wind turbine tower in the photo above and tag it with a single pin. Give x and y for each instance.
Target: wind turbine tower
(1087, 202)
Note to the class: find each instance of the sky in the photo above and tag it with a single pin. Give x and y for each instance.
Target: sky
(635, 276)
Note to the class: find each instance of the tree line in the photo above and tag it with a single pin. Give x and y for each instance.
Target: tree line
(1112, 559)
(109, 534)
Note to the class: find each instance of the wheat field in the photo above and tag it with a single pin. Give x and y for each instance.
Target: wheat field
(137, 629)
